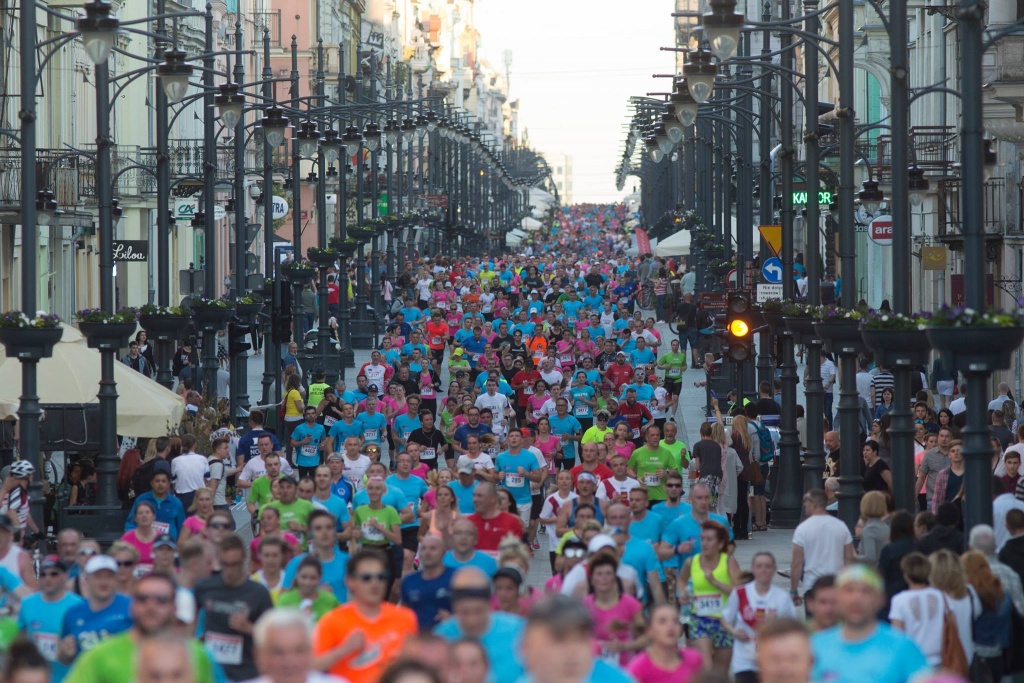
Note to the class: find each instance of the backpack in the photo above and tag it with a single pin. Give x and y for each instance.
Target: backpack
(764, 439)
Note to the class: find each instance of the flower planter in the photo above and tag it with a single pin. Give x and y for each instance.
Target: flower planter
(897, 348)
(361, 234)
(841, 336)
(720, 271)
(802, 327)
(213, 318)
(247, 312)
(323, 258)
(977, 349)
(107, 336)
(301, 274)
(163, 328)
(774, 320)
(345, 248)
(30, 343)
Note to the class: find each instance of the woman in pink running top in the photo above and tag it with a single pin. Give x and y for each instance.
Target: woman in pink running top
(547, 443)
(664, 661)
(618, 616)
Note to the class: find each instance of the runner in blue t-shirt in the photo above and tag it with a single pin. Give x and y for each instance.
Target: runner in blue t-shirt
(426, 592)
(404, 426)
(42, 614)
(516, 469)
(107, 612)
(306, 438)
(374, 423)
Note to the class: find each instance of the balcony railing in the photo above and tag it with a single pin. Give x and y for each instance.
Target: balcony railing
(56, 170)
(934, 149)
(186, 158)
(993, 202)
(270, 20)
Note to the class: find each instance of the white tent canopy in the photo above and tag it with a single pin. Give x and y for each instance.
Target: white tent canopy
(674, 245)
(531, 224)
(72, 376)
(516, 232)
(541, 198)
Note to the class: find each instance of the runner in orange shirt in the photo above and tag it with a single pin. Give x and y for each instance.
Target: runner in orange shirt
(358, 640)
(437, 334)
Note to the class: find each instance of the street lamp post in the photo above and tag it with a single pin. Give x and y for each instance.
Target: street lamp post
(209, 361)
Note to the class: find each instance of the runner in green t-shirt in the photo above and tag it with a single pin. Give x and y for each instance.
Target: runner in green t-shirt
(294, 511)
(680, 454)
(674, 364)
(650, 463)
(376, 524)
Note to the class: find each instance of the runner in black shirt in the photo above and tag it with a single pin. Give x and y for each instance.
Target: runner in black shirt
(434, 444)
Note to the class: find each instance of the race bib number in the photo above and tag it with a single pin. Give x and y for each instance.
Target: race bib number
(428, 454)
(493, 452)
(371, 435)
(308, 450)
(225, 648)
(636, 432)
(47, 645)
(515, 480)
(566, 358)
(427, 391)
(528, 390)
(372, 535)
(707, 605)
(436, 341)
(328, 421)
(645, 404)
(162, 528)
(536, 414)
(675, 372)
(582, 410)
(652, 480)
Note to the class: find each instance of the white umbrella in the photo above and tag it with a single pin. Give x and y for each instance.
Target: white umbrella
(674, 245)
(72, 376)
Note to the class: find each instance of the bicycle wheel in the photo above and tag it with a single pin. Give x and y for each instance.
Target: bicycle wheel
(646, 298)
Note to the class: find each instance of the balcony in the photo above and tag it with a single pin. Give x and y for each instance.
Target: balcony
(950, 226)
(56, 170)
(186, 159)
(934, 148)
(271, 21)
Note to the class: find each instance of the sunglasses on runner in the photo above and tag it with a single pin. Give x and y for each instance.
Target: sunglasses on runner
(367, 578)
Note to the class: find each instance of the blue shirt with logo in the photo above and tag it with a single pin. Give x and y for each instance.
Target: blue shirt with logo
(42, 620)
(427, 597)
(413, 488)
(91, 628)
(373, 426)
(518, 485)
(309, 455)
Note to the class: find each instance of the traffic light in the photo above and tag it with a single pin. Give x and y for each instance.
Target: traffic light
(236, 335)
(739, 327)
(281, 331)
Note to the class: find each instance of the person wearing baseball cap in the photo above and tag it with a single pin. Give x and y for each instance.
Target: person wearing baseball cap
(41, 615)
(106, 613)
(464, 484)
(862, 648)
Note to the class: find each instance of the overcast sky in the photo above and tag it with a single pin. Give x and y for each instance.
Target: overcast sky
(574, 66)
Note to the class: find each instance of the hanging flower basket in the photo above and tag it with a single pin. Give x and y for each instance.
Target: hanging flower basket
(247, 307)
(801, 326)
(162, 325)
(897, 348)
(300, 272)
(841, 336)
(107, 336)
(345, 247)
(322, 257)
(974, 340)
(977, 349)
(361, 233)
(211, 314)
(30, 343)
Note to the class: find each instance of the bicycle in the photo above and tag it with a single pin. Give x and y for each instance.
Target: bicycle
(645, 297)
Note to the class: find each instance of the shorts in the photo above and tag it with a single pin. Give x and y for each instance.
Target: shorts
(536, 505)
(525, 513)
(945, 387)
(711, 628)
(437, 355)
(762, 488)
(411, 538)
(672, 386)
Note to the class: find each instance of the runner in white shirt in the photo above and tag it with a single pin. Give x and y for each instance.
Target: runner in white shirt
(618, 487)
(563, 495)
(499, 405)
(255, 468)
(747, 608)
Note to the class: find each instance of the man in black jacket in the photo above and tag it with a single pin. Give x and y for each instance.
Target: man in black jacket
(1012, 553)
(686, 327)
(140, 482)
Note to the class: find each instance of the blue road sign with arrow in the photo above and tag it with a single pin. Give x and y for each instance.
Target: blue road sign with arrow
(771, 271)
